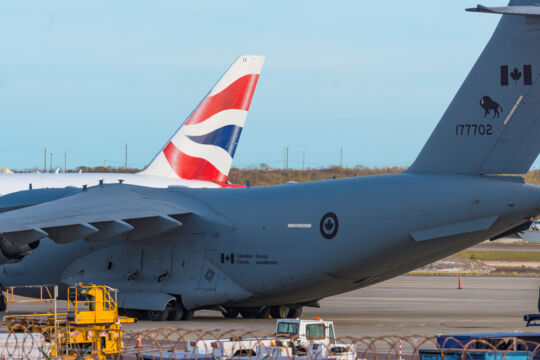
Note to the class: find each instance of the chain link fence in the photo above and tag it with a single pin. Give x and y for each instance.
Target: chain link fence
(178, 343)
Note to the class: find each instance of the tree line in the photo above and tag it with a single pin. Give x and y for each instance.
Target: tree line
(265, 175)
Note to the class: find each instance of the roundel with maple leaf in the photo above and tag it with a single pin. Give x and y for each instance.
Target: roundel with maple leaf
(329, 225)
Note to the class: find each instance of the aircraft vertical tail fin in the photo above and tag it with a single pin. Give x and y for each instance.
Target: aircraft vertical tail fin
(492, 126)
(204, 146)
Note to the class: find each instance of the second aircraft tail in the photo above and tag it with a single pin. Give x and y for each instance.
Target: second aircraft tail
(204, 146)
(492, 125)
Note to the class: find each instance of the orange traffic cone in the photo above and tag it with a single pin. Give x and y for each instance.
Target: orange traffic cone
(139, 340)
(459, 283)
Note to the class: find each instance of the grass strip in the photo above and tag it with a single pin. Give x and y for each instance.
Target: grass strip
(474, 273)
(500, 255)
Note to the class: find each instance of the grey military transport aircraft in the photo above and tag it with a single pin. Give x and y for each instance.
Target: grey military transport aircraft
(272, 250)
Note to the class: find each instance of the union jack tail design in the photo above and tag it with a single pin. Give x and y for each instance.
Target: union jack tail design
(204, 146)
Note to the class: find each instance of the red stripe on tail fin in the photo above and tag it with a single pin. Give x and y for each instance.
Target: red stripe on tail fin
(191, 168)
(235, 96)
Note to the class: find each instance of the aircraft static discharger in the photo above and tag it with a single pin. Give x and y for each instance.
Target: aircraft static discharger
(268, 249)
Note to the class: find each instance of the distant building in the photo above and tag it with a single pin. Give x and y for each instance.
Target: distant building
(5, 171)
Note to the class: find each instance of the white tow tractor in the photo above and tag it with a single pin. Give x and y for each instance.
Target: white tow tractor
(312, 339)
(305, 332)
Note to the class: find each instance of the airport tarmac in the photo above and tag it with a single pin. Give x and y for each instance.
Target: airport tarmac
(422, 305)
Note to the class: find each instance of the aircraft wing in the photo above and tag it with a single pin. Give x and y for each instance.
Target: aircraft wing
(96, 214)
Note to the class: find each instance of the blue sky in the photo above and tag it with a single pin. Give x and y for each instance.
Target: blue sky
(374, 78)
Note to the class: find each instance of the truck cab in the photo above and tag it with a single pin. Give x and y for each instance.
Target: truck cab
(304, 332)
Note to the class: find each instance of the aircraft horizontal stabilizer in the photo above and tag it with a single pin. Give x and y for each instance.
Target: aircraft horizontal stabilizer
(508, 10)
(95, 214)
(455, 229)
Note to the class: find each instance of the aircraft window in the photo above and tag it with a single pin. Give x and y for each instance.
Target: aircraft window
(287, 328)
(315, 331)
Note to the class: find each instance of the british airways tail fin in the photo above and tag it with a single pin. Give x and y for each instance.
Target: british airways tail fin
(492, 125)
(204, 146)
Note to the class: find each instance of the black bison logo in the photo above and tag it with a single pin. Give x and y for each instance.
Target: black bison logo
(489, 104)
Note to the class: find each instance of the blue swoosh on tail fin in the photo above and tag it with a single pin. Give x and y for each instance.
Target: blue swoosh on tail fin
(225, 137)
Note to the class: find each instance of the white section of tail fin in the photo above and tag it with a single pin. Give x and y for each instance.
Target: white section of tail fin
(244, 65)
(204, 146)
(492, 125)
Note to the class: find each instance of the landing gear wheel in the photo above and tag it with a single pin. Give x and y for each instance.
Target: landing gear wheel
(177, 312)
(279, 312)
(246, 314)
(188, 315)
(138, 314)
(264, 313)
(230, 313)
(249, 313)
(295, 312)
(157, 315)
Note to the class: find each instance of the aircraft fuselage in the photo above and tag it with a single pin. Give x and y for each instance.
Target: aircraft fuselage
(293, 243)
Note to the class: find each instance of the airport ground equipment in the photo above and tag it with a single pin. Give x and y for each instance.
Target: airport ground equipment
(533, 319)
(485, 346)
(90, 328)
(275, 350)
(292, 337)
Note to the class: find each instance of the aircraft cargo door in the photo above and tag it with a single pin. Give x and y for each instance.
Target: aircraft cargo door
(156, 264)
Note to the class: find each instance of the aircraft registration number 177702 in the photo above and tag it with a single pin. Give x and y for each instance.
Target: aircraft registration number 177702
(474, 130)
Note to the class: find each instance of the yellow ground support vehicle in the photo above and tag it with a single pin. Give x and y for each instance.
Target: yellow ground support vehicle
(89, 329)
